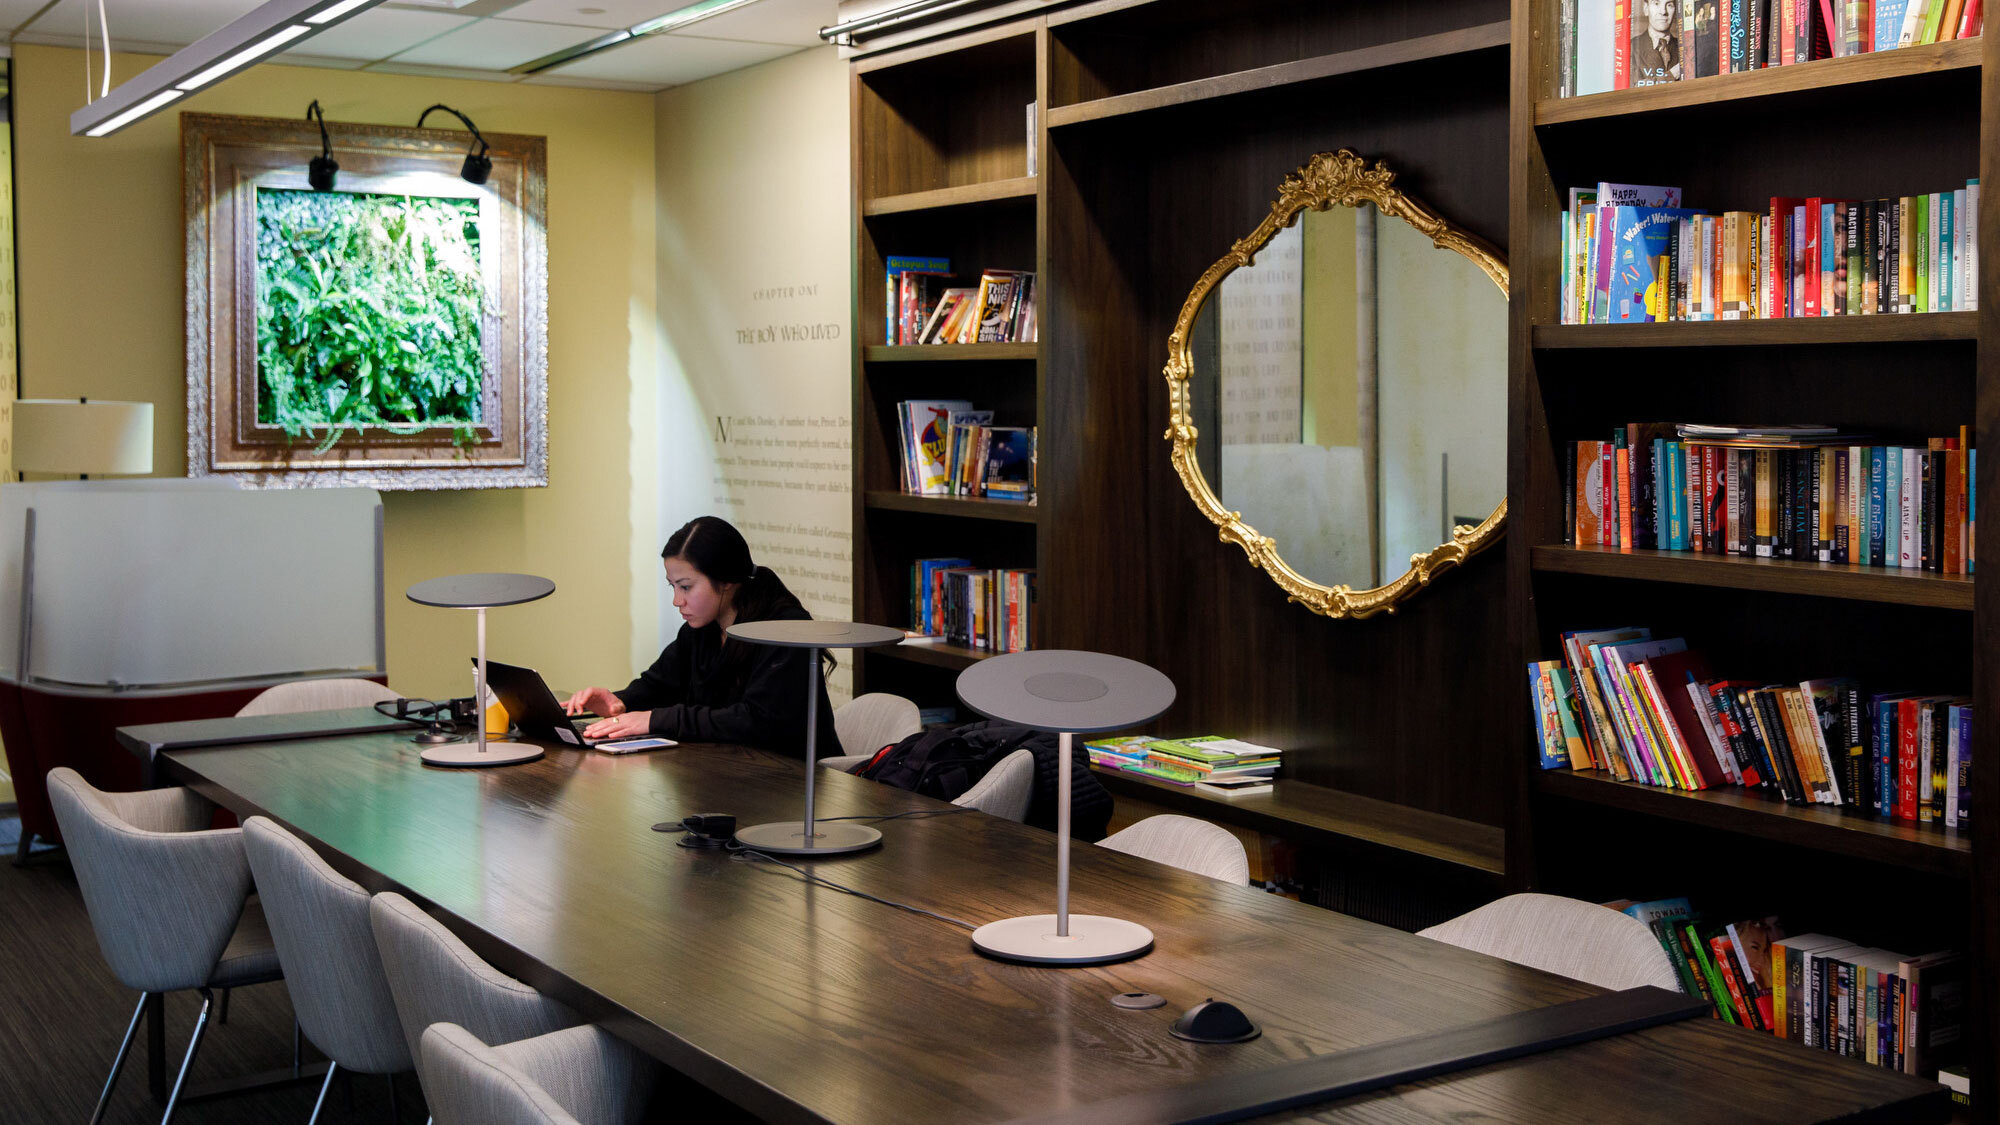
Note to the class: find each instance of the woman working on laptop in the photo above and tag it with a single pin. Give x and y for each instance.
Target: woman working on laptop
(705, 687)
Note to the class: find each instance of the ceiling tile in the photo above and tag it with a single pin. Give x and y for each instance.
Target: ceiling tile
(592, 13)
(378, 33)
(496, 44)
(13, 13)
(672, 60)
(796, 22)
(142, 21)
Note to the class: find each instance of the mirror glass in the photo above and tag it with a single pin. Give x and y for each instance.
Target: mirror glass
(1350, 393)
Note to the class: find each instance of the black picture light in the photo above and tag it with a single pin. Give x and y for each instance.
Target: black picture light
(478, 165)
(324, 167)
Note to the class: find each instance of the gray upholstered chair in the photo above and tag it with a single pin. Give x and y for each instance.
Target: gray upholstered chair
(434, 978)
(869, 722)
(1006, 789)
(319, 922)
(315, 695)
(1580, 940)
(578, 1076)
(169, 898)
(1186, 843)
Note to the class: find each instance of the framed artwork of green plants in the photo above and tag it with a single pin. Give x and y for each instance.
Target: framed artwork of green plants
(392, 332)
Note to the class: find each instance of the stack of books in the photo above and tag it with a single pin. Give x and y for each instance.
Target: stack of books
(950, 449)
(1788, 492)
(974, 607)
(1648, 711)
(1628, 44)
(1210, 763)
(922, 307)
(1632, 253)
(1896, 1011)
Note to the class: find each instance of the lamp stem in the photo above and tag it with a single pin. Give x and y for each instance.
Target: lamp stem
(1062, 837)
(479, 692)
(812, 734)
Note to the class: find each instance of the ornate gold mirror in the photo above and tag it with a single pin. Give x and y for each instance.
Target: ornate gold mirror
(1349, 385)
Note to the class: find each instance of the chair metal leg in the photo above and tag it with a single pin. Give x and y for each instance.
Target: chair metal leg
(330, 1068)
(297, 1037)
(222, 1007)
(21, 849)
(118, 1064)
(156, 1048)
(187, 1060)
(395, 1110)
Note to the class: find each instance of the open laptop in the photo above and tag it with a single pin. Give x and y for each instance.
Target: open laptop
(533, 707)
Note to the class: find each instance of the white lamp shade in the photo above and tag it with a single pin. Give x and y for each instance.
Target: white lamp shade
(63, 435)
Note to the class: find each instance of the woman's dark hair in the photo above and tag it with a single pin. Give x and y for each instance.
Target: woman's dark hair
(714, 547)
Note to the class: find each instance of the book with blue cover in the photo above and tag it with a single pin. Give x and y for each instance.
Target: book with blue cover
(1642, 238)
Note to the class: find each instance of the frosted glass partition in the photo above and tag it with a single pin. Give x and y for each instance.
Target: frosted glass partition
(183, 583)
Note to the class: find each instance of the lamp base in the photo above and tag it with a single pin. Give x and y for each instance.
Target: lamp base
(789, 838)
(467, 754)
(1093, 940)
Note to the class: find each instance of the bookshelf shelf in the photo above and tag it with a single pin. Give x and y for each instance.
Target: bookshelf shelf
(933, 653)
(1778, 576)
(1447, 44)
(946, 353)
(1825, 74)
(967, 507)
(1900, 328)
(1017, 190)
(1929, 848)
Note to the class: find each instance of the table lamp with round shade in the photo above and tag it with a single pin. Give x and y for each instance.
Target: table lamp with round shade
(1067, 692)
(481, 592)
(803, 837)
(75, 435)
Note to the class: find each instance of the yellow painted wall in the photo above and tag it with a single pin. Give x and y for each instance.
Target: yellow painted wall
(101, 309)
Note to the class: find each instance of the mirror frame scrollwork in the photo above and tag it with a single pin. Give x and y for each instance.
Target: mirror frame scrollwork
(1328, 179)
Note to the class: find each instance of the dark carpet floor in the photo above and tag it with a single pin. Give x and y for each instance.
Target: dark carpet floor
(62, 1013)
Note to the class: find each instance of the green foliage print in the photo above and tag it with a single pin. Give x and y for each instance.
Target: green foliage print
(368, 313)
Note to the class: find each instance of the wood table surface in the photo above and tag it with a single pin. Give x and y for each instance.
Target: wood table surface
(800, 1003)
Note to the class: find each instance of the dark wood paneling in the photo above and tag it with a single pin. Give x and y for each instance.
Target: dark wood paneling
(804, 1004)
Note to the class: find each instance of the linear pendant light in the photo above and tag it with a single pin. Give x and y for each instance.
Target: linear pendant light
(658, 25)
(248, 40)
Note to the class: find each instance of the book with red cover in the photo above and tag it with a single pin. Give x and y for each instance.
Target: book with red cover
(1810, 282)
(1907, 734)
(1671, 672)
(1777, 275)
(1621, 44)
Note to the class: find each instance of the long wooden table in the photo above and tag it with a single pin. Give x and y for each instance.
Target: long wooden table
(800, 1003)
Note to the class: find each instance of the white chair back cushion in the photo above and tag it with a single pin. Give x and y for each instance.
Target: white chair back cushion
(434, 978)
(1187, 843)
(579, 1074)
(1570, 938)
(1006, 789)
(468, 1083)
(316, 695)
(319, 922)
(869, 722)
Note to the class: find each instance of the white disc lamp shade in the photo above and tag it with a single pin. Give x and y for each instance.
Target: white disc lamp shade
(82, 436)
(480, 592)
(1068, 692)
(804, 836)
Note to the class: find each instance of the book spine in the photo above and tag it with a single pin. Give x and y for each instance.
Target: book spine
(1567, 47)
(1621, 44)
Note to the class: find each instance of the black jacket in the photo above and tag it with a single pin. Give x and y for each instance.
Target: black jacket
(767, 710)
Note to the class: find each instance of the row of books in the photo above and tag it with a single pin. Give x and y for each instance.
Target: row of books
(972, 607)
(1633, 254)
(1788, 492)
(923, 307)
(1628, 44)
(950, 449)
(1648, 710)
(1889, 1009)
(1213, 764)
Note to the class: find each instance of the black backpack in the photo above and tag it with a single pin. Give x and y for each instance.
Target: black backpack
(938, 763)
(944, 763)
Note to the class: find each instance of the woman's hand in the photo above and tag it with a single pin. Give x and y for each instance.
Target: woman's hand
(628, 725)
(596, 700)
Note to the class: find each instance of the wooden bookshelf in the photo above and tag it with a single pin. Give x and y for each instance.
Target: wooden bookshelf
(935, 654)
(1777, 576)
(1924, 847)
(1866, 70)
(946, 353)
(1906, 376)
(1013, 190)
(1444, 45)
(965, 507)
(1788, 331)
